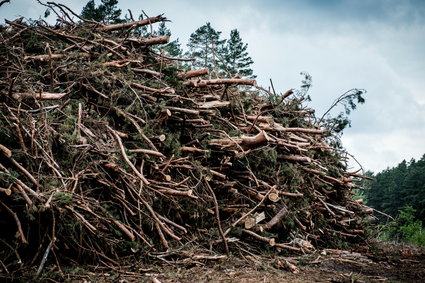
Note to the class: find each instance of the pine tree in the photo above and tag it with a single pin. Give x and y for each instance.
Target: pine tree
(107, 12)
(236, 57)
(205, 45)
(172, 48)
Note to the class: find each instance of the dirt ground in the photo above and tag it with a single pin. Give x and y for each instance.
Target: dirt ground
(385, 263)
(380, 263)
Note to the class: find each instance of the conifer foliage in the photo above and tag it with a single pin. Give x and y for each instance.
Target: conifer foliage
(236, 56)
(225, 57)
(106, 12)
(395, 188)
(205, 44)
(173, 48)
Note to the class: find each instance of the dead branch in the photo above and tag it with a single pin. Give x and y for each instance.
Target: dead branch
(41, 96)
(131, 25)
(277, 218)
(193, 73)
(202, 83)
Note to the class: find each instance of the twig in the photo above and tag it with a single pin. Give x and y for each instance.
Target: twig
(18, 223)
(217, 218)
(46, 254)
(118, 139)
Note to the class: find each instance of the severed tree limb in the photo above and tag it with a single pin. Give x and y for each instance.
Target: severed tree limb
(192, 149)
(217, 218)
(154, 90)
(193, 73)
(243, 217)
(45, 57)
(123, 228)
(120, 63)
(18, 223)
(149, 41)
(159, 224)
(135, 24)
(24, 171)
(296, 158)
(279, 128)
(213, 104)
(7, 191)
(165, 219)
(41, 96)
(202, 83)
(46, 254)
(5, 151)
(80, 217)
(118, 139)
(270, 241)
(161, 235)
(251, 141)
(259, 118)
(245, 141)
(148, 152)
(277, 218)
(147, 71)
(283, 246)
(314, 171)
(183, 110)
(22, 187)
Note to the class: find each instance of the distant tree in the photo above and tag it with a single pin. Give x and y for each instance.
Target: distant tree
(172, 48)
(107, 12)
(236, 57)
(205, 44)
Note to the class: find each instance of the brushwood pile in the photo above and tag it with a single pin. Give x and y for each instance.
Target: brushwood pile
(110, 149)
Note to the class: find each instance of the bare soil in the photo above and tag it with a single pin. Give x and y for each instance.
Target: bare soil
(385, 263)
(380, 263)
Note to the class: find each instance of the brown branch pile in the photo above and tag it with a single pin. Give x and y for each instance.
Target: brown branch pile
(110, 149)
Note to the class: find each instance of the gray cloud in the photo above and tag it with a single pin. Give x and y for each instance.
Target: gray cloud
(372, 44)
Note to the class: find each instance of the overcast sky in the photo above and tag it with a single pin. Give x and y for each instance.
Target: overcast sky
(377, 45)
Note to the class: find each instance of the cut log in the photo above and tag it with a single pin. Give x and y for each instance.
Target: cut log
(202, 83)
(154, 90)
(193, 73)
(214, 104)
(147, 71)
(134, 24)
(250, 141)
(149, 41)
(277, 218)
(40, 96)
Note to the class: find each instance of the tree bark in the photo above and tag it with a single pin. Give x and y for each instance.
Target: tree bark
(133, 24)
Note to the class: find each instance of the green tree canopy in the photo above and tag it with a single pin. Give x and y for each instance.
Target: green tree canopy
(172, 48)
(205, 44)
(106, 12)
(398, 187)
(236, 57)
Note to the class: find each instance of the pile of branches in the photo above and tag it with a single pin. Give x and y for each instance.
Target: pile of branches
(109, 149)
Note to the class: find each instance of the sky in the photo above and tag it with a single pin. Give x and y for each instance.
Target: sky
(376, 45)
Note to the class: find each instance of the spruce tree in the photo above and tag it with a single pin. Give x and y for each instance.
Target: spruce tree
(205, 45)
(172, 48)
(236, 58)
(107, 12)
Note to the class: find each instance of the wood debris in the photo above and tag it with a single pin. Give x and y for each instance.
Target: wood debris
(108, 147)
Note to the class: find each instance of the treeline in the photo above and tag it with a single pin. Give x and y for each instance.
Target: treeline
(223, 57)
(398, 187)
